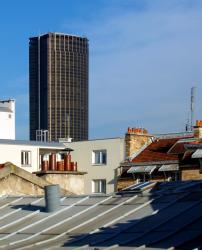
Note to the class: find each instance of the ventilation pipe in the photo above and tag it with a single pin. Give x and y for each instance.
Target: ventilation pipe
(52, 198)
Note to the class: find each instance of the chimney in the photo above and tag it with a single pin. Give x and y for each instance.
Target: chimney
(197, 129)
(135, 139)
(52, 198)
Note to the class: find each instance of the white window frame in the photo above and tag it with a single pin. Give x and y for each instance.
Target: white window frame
(26, 158)
(102, 157)
(101, 184)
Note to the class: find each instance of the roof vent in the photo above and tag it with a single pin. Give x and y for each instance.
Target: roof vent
(52, 198)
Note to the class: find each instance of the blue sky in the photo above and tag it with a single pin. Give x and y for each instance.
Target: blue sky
(144, 58)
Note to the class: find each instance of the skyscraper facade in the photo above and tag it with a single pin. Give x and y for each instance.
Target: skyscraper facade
(58, 86)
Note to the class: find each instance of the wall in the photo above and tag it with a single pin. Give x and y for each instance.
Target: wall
(83, 155)
(13, 185)
(74, 183)
(135, 141)
(12, 153)
(7, 120)
(190, 174)
(123, 183)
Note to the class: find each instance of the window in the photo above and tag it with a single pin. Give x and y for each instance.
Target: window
(99, 157)
(99, 186)
(26, 158)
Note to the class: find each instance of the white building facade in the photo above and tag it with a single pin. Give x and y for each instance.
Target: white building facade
(26, 154)
(7, 119)
(100, 159)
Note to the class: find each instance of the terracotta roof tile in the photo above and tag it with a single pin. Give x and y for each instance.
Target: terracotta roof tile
(179, 148)
(157, 151)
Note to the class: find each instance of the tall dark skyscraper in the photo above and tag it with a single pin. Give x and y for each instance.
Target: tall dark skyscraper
(58, 86)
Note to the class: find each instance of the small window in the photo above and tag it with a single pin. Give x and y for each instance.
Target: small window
(26, 158)
(99, 157)
(99, 186)
(9, 116)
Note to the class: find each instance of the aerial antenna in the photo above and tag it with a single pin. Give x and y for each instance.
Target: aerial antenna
(192, 106)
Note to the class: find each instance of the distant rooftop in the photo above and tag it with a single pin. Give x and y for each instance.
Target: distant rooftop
(175, 135)
(7, 100)
(97, 139)
(33, 143)
(59, 33)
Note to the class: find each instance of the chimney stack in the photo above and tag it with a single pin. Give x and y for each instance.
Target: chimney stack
(197, 129)
(135, 139)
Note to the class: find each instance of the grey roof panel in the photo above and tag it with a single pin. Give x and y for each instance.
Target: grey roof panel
(125, 221)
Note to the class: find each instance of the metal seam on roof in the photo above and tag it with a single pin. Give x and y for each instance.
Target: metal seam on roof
(84, 223)
(19, 209)
(59, 223)
(44, 219)
(7, 204)
(161, 223)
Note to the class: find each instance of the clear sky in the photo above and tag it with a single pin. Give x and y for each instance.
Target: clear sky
(144, 58)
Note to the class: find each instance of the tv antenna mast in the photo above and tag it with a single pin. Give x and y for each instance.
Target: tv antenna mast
(193, 90)
(190, 120)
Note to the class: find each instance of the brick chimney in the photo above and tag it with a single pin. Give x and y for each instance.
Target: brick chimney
(135, 139)
(198, 129)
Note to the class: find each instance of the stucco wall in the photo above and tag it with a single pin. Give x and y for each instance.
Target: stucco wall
(14, 185)
(82, 153)
(71, 182)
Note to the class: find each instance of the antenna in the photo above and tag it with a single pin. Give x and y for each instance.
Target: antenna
(192, 106)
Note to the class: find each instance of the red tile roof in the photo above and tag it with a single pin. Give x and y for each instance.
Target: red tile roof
(157, 151)
(179, 148)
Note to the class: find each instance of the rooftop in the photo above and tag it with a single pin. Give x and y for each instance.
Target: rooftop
(157, 151)
(60, 33)
(166, 216)
(33, 143)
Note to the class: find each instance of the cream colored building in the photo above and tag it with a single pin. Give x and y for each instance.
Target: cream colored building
(7, 119)
(100, 159)
(26, 154)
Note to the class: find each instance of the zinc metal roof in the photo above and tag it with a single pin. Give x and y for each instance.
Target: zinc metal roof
(168, 217)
